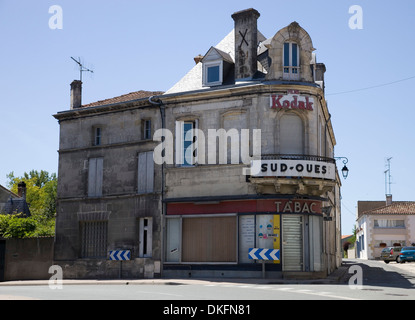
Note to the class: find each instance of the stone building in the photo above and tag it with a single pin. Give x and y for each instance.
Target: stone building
(109, 189)
(252, 162)
(244, 162)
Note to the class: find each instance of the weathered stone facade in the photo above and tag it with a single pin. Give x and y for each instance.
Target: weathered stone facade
(120, 205)
(205, 207)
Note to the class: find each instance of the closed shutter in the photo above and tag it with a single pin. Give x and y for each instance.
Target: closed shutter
(291, 135)
(292, 242)
(210, 239)
(145, 172)
(95, 176)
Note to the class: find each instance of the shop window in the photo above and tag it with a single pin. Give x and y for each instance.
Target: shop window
(291, 59)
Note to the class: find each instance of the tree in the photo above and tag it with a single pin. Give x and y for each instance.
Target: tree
(41, 195)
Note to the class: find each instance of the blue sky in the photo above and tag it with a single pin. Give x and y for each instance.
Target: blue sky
(150, 45)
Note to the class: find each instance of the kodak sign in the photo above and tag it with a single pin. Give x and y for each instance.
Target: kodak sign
(292, 100)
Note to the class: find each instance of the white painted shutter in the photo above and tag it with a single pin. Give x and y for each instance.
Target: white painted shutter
(291, 135)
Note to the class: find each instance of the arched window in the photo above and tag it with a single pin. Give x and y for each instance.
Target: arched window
(291, 134)
(291, 61)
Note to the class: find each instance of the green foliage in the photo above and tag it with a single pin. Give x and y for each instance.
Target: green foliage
(16, 226)
(41, 195)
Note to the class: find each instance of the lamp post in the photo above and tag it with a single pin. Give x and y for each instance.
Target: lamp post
(345, 170)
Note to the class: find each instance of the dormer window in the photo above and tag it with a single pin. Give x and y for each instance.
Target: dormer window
(291, 61)
(216, 65)
(213, 75)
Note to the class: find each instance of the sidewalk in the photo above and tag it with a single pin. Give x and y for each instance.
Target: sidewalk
(338, 276)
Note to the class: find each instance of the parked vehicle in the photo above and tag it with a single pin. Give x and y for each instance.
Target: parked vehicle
(406, 254)
(389, 254)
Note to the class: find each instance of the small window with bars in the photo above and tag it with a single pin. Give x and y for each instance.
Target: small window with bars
(94, 236)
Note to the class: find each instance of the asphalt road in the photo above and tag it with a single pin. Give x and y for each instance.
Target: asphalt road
(374, 280)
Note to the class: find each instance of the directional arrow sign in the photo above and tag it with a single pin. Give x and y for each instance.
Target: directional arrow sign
(120, 255)
(263, 254)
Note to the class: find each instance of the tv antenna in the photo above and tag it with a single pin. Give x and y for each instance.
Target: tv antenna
(388, 181)
(82, 68)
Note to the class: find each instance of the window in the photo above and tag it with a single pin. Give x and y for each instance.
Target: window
(95, 177)
(186, 138)
(146, 129)
(94, 239)
(383, 223)
(145, 237)
(291, 61)
(145, 172)
(97, 137)
(212, 73)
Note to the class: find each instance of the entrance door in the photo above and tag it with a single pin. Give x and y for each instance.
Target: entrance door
(292, 242)
(2, 259)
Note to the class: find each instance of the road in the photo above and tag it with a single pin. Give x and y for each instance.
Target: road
(379, 282)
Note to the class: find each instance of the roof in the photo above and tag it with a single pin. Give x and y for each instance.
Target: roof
(17, 206)
(397, 207)
(124, 98)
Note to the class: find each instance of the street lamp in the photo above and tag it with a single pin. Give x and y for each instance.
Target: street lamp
(345, 170)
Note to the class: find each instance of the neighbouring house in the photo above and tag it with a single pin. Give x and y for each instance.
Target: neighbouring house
(11, 203)
(382, 224)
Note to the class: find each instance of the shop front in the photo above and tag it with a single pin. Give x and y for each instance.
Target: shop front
(215, 237)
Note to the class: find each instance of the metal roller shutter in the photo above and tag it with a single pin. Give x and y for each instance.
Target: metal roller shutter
(292, 242)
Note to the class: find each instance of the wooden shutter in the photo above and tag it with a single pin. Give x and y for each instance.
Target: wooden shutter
(95, 177)
(291, 135)
(211, 239)
(145, 172)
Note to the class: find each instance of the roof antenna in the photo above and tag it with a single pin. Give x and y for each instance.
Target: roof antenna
(81, 67)
(388, 177)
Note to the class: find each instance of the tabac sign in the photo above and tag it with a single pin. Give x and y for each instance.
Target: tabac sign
(293, 168)
(291, 100)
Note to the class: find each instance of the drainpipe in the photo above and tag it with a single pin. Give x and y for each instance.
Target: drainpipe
(157, 102)
(325, 136)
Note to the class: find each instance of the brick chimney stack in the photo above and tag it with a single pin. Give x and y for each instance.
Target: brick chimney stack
(76, 94)
(246, 43)
(21, 190)
(388, 199)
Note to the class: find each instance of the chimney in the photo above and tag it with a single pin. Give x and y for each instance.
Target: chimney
(21, 190)
(246, 43)
(198, 58)
(76, 94)
(388, 199)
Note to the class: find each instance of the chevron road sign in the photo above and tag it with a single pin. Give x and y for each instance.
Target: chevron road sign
(120, 255)
(264, 254)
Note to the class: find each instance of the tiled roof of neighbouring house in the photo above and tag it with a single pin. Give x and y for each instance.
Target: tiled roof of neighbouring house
(397, 207)
(124, 98)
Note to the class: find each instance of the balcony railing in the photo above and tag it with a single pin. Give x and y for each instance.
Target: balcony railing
(297, 157)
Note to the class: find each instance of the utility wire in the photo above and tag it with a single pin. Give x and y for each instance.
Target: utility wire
(367, 88)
